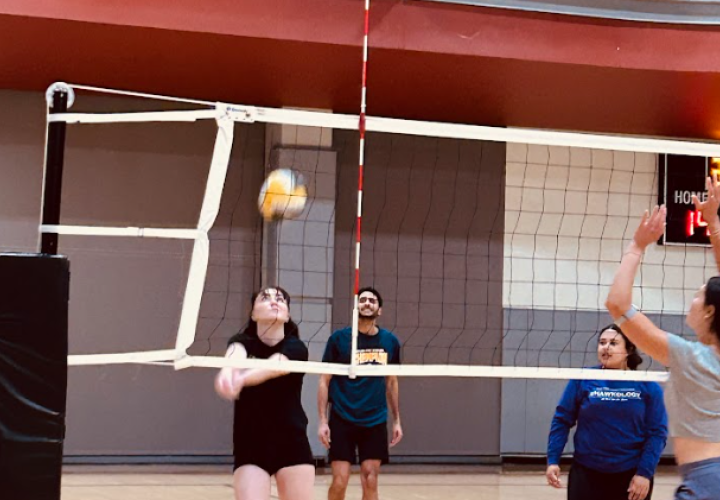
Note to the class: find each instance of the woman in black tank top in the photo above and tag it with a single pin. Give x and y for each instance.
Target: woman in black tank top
(270, 425)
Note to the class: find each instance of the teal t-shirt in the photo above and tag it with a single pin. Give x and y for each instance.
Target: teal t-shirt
(361, 400)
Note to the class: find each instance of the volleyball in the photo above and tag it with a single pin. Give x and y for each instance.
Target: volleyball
(282, 196)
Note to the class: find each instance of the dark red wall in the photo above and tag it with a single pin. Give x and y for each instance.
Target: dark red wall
(427, 61)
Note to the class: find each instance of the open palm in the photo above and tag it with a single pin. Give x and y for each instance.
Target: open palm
(651, 227)
(709, 207)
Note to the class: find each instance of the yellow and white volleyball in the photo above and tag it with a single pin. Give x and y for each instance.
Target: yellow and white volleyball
(282, 196)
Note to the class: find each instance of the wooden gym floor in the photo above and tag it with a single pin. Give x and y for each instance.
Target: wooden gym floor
(396, 483)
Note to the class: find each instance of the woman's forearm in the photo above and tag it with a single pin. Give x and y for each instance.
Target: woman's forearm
(619, 298)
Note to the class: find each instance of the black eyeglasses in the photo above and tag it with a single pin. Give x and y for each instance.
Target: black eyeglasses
(371, 300)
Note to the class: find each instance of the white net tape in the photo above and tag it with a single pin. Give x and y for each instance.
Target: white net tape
(226, 116)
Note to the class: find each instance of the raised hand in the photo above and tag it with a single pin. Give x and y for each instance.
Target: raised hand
(651, 227)
(709, 207)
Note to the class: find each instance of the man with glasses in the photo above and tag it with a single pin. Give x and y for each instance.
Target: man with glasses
(359, 406)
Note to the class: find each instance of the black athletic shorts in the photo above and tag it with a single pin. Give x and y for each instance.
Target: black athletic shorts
(272, 452)
(589, 484)
(371, 443)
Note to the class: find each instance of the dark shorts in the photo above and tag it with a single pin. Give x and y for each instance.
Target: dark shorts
(588, 484)
(700, 480)
(274, 451)
(371, 443)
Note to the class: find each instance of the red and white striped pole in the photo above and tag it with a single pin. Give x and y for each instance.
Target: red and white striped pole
(361, 164)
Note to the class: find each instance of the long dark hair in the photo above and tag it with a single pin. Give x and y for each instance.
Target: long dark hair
(634, 359)
(712, 298)
(291, 328)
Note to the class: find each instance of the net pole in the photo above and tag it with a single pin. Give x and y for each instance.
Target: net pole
(59, 97)
(361, 165)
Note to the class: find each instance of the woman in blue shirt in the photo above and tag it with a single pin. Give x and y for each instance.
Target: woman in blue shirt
(621, 429)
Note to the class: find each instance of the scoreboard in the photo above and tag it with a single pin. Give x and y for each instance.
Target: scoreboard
(680, 178)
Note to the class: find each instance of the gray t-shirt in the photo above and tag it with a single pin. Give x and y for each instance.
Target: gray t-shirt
(692, 394)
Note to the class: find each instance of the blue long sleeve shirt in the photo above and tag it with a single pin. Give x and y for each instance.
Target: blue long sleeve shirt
(620, 425)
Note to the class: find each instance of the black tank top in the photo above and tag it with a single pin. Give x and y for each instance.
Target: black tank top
(275, 405)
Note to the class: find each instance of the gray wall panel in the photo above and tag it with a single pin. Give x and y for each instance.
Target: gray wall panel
(126, 293)
(432, 245)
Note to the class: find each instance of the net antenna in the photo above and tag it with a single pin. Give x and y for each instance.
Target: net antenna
(225, 115)
(361, 166)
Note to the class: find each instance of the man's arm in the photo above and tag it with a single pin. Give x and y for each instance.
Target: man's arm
(322, 400)
(392, 393)
(393, 397)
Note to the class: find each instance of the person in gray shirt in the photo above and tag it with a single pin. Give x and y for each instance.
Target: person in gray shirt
(692, 394)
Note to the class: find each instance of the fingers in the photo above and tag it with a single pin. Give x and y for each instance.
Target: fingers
(714, 193)
(553, 476)
(324, 435)
(397, 436)
(638, 489)
(652, 226)
(224, 387)
(654, 218)
(228, 389)
(698, 204)
(651, 219)
(712, 185)
(645, 217)
(636, 493)
(659, 215)
(655, 222)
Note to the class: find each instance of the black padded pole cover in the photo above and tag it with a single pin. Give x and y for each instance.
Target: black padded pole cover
(34, 293)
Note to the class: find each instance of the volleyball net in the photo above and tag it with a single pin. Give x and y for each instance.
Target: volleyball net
(493, 248)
